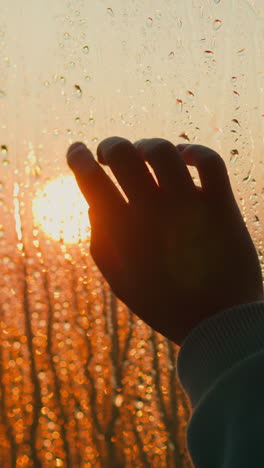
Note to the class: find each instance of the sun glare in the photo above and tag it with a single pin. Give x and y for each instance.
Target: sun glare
(60, 210)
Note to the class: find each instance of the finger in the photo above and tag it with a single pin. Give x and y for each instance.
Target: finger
(97, 188)
(169, 166)
(130, 170)
(211, 168)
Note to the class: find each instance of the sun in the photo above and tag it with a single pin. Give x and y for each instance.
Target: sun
(60, 210)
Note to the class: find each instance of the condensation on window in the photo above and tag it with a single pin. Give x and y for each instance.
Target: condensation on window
(83, 381)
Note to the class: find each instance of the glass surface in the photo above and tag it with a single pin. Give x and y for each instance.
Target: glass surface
(83, 381)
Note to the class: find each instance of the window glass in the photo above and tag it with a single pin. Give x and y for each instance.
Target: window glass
(84, 382)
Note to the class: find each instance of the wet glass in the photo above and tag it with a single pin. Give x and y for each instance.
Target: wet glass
(83, 381)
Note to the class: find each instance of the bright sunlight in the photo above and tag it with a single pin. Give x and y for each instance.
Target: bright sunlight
(60, 210)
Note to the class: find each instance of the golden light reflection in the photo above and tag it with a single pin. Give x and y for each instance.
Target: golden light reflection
(61, 212)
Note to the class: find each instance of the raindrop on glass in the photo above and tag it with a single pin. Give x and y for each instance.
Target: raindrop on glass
(4, 151)
(179, 104)
(184, 136)
(66, 36)
(208, 53)
(234, 156)
(110, 11)
(217, 24)
(86, 50)
(236, 123)
(78, 91)
(179, 22)
(2, 185)
(241, 52)
(171, 55)
(149, 22)
(158, 14)
(5, 162)
(190, 95)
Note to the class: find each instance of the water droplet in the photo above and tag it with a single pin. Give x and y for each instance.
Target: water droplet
(1, 202)
(5, 162)
(179, 104)
(77, 119)
(86, 49)
(190, 94)
(158, 14)
(91, 120)
(234, 156)
(88, 77)
(4, 151)
(148, 82)
(208, 53)
(171, 55)
(234, 79)
(2, 185)
(149, 22)
(56, 131)
(66, 36)
(110, 11)
(78, 91)
(247, 178)
(217, 24)
(2, 93)
(236, 93)
(46, 84)
(184, 136)
(179, 22)
(241, 52)
(236, 123)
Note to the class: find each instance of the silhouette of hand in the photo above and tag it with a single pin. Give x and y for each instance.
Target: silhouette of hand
(173, 252)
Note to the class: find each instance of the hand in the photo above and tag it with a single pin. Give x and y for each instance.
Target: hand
(173, 252)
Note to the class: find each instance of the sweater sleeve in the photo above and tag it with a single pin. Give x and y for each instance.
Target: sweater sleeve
(221, 368)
